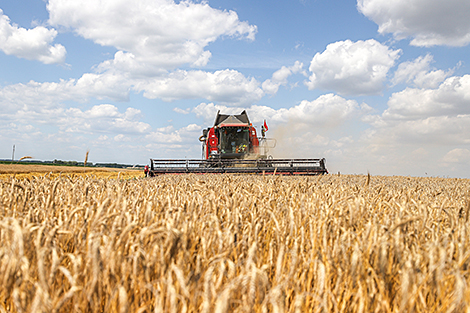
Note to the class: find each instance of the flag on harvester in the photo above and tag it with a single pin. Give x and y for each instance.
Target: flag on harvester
(265, 126)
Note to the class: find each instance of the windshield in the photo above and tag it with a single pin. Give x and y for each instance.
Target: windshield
(234, 139)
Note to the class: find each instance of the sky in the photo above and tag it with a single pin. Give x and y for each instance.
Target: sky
(373, 86)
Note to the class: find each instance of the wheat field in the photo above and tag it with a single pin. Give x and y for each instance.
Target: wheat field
(234, 243)
(21, 171)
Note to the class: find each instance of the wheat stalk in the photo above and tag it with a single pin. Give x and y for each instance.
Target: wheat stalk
(25, 157)
(86, 158)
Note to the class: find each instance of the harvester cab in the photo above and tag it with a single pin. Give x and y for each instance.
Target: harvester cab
(231, 137)
(232, 146)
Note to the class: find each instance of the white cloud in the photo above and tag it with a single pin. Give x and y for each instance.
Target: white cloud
(436, 130)
(354, 68)
(169, 135)
(157, 32)
(452, 98)
(279, 77)
(103, 118)
(418, 125)
(418, 73)
(457, 156)
(326, 111)
(422, 132)
(227, 86)
(115, 86)
(30, 44)
(35, 96)
(152, 36)
(182, 111)
(428, 22)
(101, 111)
(208, 111)
(121, 138)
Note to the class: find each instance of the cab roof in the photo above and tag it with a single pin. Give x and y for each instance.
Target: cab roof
(240, 120)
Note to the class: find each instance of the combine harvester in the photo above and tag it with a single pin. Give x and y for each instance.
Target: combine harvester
(232, 146)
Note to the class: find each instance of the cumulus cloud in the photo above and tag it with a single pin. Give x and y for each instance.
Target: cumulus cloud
(156, 32)
(103, 118)
(436, 130)
(430, 119)
(422, 132)
(326, 111)
(30, 44)
(352, 68)
(418, 72)
(152, 38)
(110, 85)
(164, 135)
(428, 22)
(451, 98)
(208, 111)
(182, 111)
(170, 135)
(99, 119)
(279, 77)
(457, 156)
(227, 87)
(34, 96)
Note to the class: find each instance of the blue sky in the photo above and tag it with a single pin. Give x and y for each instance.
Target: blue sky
(379, 86)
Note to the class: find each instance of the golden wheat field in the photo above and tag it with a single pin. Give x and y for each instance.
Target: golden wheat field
(234, 243)
(22, 171)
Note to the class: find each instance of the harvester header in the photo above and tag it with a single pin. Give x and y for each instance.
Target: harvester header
(232, 146)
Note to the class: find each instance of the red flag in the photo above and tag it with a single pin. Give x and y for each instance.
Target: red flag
(265, 126)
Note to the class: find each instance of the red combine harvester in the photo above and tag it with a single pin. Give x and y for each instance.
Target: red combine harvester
(232, 146)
